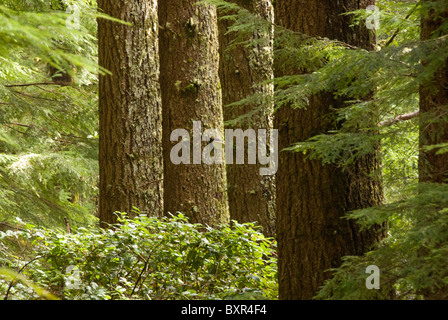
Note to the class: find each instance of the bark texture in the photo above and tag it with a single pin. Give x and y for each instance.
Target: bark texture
(130, 151)
(433, 111)
(312, 198)
(242, 71)
(191, 92)
(433, 167)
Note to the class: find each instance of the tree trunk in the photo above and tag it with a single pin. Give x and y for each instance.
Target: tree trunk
(433, 167)
(130, 151)
(242, 70)
(433, 110)
(191, 92)
(311, 197)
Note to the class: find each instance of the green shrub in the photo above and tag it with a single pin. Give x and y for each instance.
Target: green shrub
(143, 258)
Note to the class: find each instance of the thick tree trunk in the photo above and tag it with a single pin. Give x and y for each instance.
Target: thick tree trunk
(130, 151)
(311, 197)
(191, 92)
(242, 70)
(433, 167)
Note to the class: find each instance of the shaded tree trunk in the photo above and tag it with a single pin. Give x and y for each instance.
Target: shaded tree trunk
(130, 151)
(433, 111)
(191, 92)
(433, 167)
(242, 70)
(311, 197)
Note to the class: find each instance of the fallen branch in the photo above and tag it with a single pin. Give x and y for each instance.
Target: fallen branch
(36, 84)
(8, 226)
(21, 125)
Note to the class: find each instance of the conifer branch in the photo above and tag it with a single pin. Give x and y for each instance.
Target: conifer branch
(401, 117)
(399, 29)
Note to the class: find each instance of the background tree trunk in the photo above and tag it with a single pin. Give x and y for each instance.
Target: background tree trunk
(191, 92)
(242, 69)
(311, 197)
(130, 151)
(433, 167)
(433, 111)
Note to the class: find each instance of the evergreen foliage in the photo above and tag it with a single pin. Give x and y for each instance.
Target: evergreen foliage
(49, 163)
(48, 129)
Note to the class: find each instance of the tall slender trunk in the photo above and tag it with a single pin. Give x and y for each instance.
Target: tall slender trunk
(433, 167)
(130, 151)
(242, 71)
(311, 197)
(191, 92)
